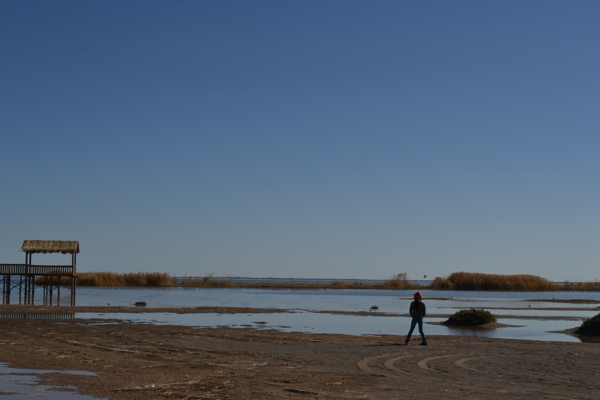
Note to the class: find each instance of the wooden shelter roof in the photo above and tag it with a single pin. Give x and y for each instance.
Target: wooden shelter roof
(50, 246)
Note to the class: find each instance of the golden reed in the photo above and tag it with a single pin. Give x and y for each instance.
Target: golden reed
(477, 281)
(455, 281)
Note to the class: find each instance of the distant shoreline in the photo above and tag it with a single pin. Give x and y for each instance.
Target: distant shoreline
(459, 281)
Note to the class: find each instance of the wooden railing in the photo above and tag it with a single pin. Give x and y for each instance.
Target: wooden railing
(37, 270)
(12, 269)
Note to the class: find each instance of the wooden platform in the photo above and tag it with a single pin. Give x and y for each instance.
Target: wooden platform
(23, 279)
(18, 283)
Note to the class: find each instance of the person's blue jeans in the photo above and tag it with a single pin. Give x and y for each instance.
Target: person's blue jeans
(413, 323)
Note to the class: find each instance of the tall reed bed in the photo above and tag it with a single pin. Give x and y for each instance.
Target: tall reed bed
(211, 282)
(208, 281)
(110, 279)
(478, 281)
(581, 286)
(396, 282)
(455, 281)
(155, 279)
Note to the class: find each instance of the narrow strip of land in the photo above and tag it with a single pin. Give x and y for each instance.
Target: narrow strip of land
(72, 311)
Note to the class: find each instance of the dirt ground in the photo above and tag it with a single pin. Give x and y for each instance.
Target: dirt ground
(138, 361)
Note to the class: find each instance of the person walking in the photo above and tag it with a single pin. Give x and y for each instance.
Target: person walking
(417, 311)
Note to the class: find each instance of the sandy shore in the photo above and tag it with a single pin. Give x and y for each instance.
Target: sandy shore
(137, 361)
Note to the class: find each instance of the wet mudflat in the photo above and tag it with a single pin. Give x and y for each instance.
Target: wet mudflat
(515, 324)
(25, 384)
(141, 361)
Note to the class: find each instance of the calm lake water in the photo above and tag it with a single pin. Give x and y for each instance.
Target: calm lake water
(315, 311)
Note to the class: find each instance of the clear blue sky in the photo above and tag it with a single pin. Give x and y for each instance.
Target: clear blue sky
(325, 139)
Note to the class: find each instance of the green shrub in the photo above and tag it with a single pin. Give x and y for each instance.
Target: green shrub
(590, 326)
(471, 317)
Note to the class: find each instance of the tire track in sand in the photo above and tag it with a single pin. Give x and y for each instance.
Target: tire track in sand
(424, 363)
(390, 360)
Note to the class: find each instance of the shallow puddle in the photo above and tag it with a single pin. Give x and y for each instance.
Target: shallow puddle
(310, 322)
(21, 384)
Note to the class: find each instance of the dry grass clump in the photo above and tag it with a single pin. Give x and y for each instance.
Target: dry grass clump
(47, 280)
(455, 281)
(148, 279)
(477, 281)
(398, 282)
(103, 279)
(208, 281)
(110, 279)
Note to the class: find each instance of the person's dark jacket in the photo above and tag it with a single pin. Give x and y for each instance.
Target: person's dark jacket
(417, 309)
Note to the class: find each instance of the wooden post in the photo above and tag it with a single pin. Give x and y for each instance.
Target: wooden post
(27, 280)
(73, 291)
(25, 292)
(74, 279)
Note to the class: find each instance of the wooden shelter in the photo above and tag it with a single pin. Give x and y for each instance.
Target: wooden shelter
(26, 277)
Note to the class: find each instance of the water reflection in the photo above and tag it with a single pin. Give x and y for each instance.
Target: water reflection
(589, 339)
(43, 315)
(309, 322)
(24, 384)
